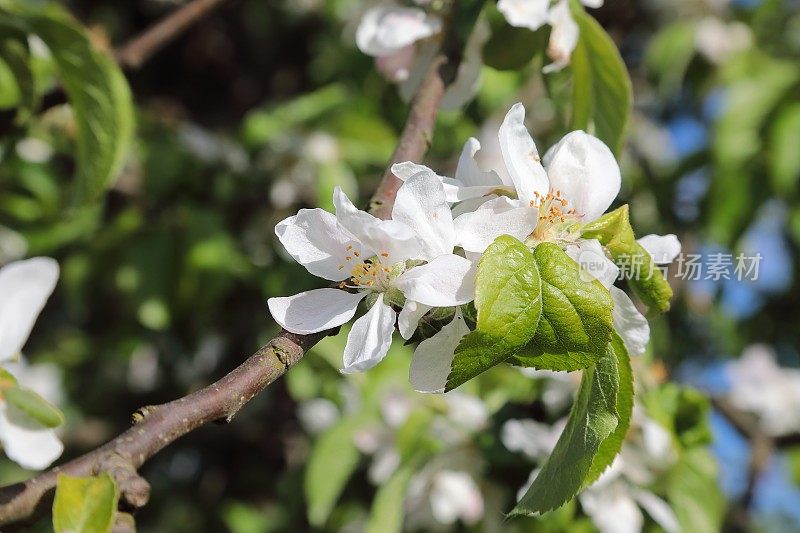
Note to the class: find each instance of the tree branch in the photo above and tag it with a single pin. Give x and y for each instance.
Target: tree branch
(138, 50)
(158, 426)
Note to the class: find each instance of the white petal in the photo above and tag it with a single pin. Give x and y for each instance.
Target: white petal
(446, 281)
(612, 509)
(24, 289)
(420, 204)
(433, 357)
(563, 36)
(471, 204)
(663, 248)
(409, 317)
(469, 173)
(455, 495)
(521, 157)
(369, 338)
(501, 216)
(592, 3)
(317, 242)
(589, 254)
(452, 187)
(531, 14)
(659, 510)
(392, 241)
(25, 441)
(406, 169)
(386, 29)
(630, 324)
(534, 439)
(315, 310)
(583, 168)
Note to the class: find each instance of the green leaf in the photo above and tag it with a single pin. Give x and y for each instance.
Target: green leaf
(85, 504)
(333, 460)
(387, 513)
(613, 443)
(592, 420)
(784, 157)
(9, 89)
(509, 304)
(576, 321)
(34, 406)
(760, 84)
(614, 231)
(602, 93)
(694, 493)
(511, 48)
(98, 94)
(15, 57)
(669, 54)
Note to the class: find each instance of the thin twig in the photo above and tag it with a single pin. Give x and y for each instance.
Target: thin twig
(158, 426)
(138, 50)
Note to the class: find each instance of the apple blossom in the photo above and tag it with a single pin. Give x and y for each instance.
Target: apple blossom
(404, 40)
(533, 14)
(25, 286)
(573, 184)
(407, 262)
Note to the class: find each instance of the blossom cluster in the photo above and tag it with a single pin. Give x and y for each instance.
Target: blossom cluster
(404, 40)
(422, 262)
(24, 289)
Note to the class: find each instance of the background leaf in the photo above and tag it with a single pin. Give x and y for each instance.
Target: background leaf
(332, 462)
(99, 96)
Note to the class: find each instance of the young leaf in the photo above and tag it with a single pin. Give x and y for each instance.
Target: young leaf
(613, 443)
(592, 419)
(34, 406)
(85, 504)
(332, 462)
(509, 304)
(387, 514)
(576, 321)
(98, 93)
(602, 91)
(614, 231)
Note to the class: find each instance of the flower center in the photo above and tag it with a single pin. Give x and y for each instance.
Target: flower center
(368, 274)
(555, 220)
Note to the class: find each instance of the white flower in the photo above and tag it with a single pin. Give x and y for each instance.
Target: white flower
(719, 41)
(533, 14)
(389, 29)
(25, 287)
(762, 387)
(405, 41)
(455, 495)
(380, 258)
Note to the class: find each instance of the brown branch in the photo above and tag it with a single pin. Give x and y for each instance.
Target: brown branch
(138, 50)
(415, 139)
(158, 426)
